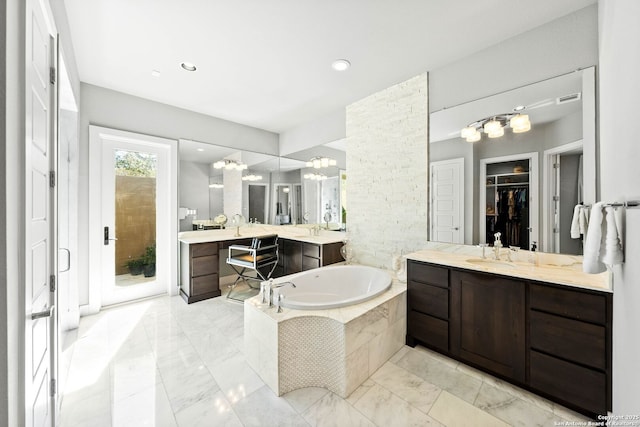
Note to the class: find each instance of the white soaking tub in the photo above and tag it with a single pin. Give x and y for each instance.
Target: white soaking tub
(332, 287)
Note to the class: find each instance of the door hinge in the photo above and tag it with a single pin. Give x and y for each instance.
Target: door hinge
(52, 283)
(556, 198)
(52, 179)
(556, 230)
(556, 165)
(52, 75)
(53, 387)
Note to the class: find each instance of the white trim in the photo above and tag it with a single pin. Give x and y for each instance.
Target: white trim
(548, 190)
(96, 135)
(533, 192)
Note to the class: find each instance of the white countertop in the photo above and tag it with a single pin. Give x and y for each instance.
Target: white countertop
(551, 268)
(293, 232)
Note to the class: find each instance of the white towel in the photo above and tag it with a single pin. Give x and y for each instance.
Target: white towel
(611, 251)
(575, 222)
(591, 261)
(580, 221)
(583, 220)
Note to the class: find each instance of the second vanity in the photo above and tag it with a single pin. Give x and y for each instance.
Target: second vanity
(201, 254)
(540, 323)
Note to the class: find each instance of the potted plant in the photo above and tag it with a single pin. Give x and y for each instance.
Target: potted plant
(135, 266)
(150, 261)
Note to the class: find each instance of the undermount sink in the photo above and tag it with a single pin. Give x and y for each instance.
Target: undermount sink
(486, 262)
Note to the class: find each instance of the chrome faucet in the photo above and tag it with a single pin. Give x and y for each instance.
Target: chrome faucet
(272, 287)
(497, 244)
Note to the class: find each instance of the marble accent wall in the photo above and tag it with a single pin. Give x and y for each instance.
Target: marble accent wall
(387, 137)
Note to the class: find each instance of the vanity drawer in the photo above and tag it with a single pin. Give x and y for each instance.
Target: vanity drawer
(428, 329)
(426, 273)
(569, 339)
(569, 303)
(204, 249)
(310, 263)
(204, 265)
(204, 284)
(309, 249)
(574, 384)
(428, 299)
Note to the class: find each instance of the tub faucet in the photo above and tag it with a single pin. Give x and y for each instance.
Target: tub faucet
(497, 244)
(272, 287)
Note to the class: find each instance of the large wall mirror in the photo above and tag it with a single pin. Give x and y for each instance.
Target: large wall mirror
(303, 187)
(517, 163)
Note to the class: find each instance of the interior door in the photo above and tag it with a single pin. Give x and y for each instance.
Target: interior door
(40, 208)
(447, 201)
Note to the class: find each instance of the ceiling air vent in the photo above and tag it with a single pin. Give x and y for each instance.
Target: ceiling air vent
(568, 98)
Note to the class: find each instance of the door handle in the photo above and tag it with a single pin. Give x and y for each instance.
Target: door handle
(106, 236)
(455, 228)
(43, 314)
(68, 259)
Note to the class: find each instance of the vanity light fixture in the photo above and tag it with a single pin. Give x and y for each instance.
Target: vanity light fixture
(229, 165)
(188, 66)
(285, 189)
(216, 186)
(315, 176)
(494, 126)
(321, 162)
(340, 64)
(252, 177)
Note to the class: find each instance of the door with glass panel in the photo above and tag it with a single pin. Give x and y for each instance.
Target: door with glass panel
(132, 235)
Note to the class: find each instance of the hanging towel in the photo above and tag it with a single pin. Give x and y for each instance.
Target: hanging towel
(580, 221)
(575, 222)
(611, 252)
(591, 261)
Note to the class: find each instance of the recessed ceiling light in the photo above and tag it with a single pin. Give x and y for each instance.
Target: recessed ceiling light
(199, 149)
(340, 64)
(155, 73)
(519, 108)
(188, 66)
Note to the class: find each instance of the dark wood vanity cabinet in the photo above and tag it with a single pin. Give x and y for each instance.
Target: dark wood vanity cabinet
(428, 306)
(554, 340)
(199, 271)
(488, 328)
(296, 256)
(570, 346)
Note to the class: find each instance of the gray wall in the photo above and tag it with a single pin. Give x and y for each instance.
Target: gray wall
(568, 200)
(619, 160)
(558, 47)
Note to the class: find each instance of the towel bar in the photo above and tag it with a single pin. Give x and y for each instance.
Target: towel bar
(629, 204)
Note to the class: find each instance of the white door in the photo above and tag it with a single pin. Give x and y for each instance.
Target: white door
(40, 208)
(134, 215)
(447, 201)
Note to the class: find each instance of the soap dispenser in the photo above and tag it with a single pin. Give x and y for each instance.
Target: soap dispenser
(533, 257)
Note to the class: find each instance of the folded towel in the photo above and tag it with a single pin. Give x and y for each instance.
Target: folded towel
(611, 251)
(591, 261)
(575, 222)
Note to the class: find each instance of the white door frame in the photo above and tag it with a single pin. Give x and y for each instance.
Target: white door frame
(461, 204)
(548, 190)
(533, 192)
(169, 259)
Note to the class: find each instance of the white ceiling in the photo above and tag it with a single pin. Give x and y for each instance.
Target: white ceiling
(266, 63)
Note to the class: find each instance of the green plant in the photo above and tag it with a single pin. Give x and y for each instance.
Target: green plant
(149, 256)
(150, 261)
(344, 215)
(135, 265)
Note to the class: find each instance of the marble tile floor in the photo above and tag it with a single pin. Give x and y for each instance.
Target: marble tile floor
(161, 362)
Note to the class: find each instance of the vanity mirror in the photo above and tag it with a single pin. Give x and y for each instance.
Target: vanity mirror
(320, 197)
(221, 180)
(532, 161)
